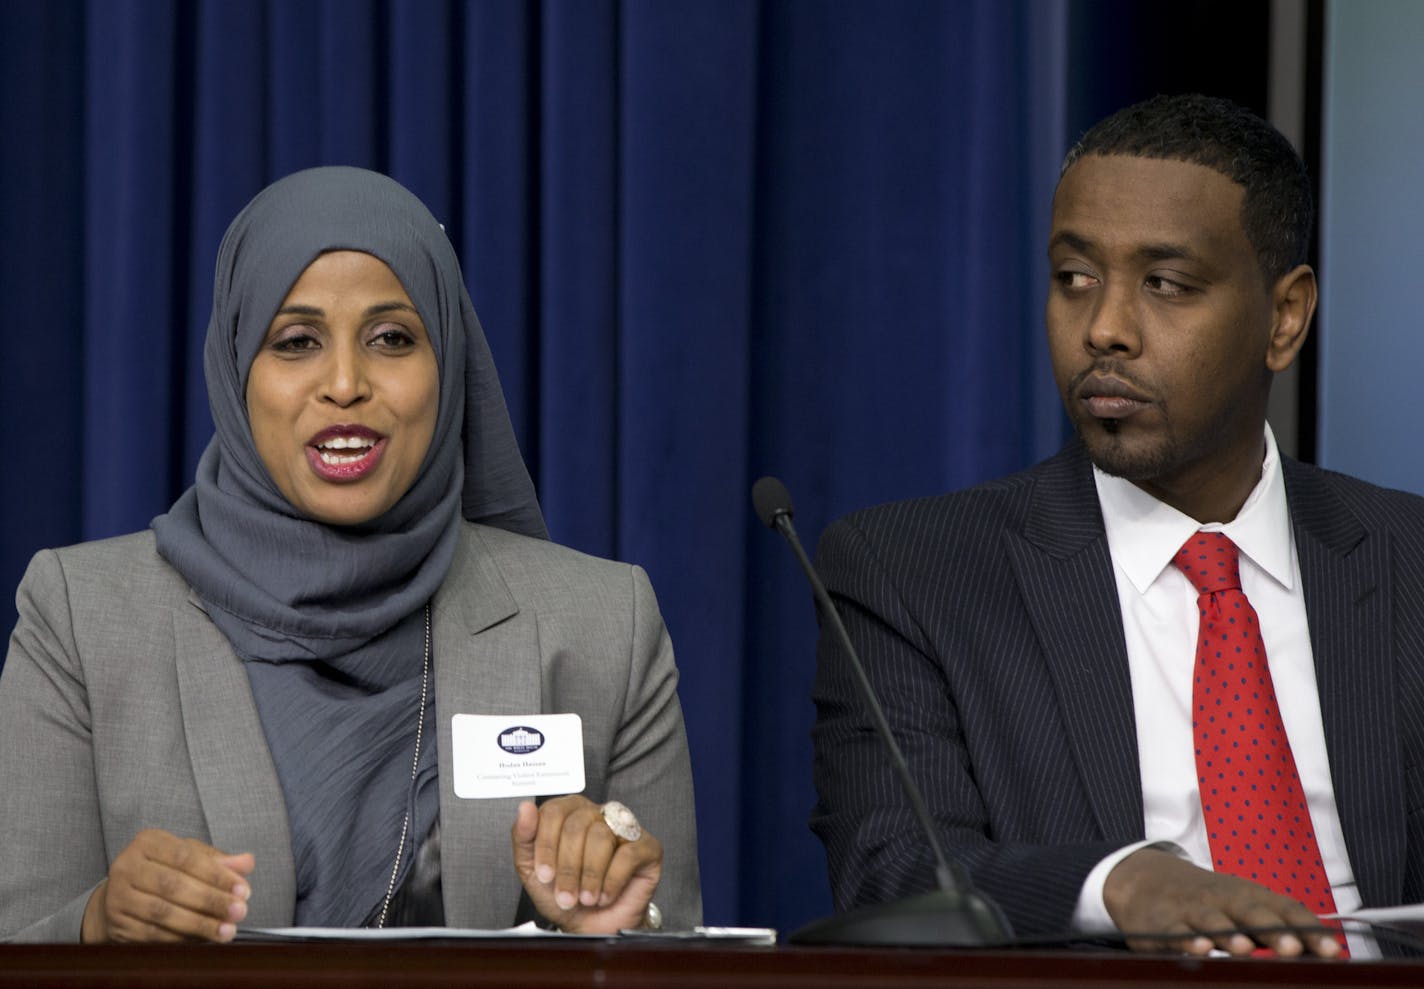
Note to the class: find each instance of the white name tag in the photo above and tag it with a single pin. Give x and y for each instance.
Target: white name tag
(524, 755)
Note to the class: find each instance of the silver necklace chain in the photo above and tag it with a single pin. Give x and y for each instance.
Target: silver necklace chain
(414, 765)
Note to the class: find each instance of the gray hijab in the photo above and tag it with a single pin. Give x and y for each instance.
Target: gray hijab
(330, 620)
(283, 587)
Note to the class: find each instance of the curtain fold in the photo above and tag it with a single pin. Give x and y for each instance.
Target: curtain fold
(685, 339)
(130, 292)
(42, 99)
(708, 239)
(579, 206)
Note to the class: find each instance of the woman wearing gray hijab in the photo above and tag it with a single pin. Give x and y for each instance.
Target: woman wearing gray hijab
(252, 714)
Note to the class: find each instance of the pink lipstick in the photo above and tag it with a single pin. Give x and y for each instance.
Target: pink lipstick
(345, 453)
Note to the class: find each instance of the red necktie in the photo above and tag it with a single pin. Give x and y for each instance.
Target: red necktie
(1257, 820)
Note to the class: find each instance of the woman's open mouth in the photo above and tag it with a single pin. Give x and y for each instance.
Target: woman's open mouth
(345, 453)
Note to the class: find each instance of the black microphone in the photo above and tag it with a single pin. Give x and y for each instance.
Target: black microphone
(954, 915)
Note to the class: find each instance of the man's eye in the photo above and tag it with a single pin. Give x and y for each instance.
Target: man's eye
(1165, 286)
(1074, 279)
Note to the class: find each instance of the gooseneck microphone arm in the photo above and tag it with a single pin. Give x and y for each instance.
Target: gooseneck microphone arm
(773, 506)
(957, 914)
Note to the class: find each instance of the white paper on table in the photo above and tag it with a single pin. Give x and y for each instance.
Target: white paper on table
(529, 929)
(1409, 917)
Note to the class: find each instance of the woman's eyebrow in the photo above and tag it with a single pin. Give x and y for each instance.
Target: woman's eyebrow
(384, 307)
(375, 310)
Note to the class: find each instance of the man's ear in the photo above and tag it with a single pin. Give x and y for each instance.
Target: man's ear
(1292, 305)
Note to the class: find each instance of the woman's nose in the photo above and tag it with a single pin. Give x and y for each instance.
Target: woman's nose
(346, 381)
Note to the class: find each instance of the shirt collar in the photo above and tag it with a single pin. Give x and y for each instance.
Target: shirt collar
(1144, 533)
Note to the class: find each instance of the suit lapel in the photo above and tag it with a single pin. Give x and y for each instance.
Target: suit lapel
(486, 655)
(237, 783)
(1345, 572)
(1065, 575)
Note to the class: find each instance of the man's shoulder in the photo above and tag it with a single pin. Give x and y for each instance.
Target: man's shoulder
(1316, 491)
(994, 504)
(975, 539)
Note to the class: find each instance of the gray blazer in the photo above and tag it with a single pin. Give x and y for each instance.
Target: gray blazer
(122, 707)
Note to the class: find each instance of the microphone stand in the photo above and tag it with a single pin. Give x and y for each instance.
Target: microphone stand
(953, 915)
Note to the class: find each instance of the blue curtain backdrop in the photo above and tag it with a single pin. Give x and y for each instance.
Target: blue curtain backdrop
(708, 240)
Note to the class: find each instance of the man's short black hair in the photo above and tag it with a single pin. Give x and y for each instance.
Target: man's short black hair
(1278, 210)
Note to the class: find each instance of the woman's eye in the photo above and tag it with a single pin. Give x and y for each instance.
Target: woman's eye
(393, 338)
(294, 342)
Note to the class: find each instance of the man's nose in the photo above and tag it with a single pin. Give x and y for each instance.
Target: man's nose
(1115, 324)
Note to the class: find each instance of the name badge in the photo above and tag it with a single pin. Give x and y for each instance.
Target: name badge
(525, 755)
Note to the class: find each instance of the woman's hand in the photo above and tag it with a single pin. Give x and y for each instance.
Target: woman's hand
(578, 873)
(165, 888)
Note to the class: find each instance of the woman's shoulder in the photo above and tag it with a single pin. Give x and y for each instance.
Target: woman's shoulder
(503, 544)
(131, 549)
(127, 565)
(530, 565)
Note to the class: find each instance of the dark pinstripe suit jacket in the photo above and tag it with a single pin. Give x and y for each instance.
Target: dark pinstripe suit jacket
(990, 625)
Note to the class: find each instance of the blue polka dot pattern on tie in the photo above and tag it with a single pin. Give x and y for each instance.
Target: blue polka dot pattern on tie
(1257, 820)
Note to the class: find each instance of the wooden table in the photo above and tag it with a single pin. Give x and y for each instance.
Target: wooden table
(608, 965)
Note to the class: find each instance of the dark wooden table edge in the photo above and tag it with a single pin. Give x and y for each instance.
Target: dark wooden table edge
(611, 964)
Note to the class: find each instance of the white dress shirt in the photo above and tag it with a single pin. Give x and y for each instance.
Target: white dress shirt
(1160, 622)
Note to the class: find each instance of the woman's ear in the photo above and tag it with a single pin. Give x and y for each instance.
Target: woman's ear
(1293, 305)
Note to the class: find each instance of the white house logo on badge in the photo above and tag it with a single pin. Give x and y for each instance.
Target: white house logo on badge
(520, 740)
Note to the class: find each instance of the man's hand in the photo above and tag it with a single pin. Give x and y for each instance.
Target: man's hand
(1152, 891)
(165, 888)
(578, 873)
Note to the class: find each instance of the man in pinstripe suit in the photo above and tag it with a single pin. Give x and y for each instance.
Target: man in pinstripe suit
(1031, 641)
